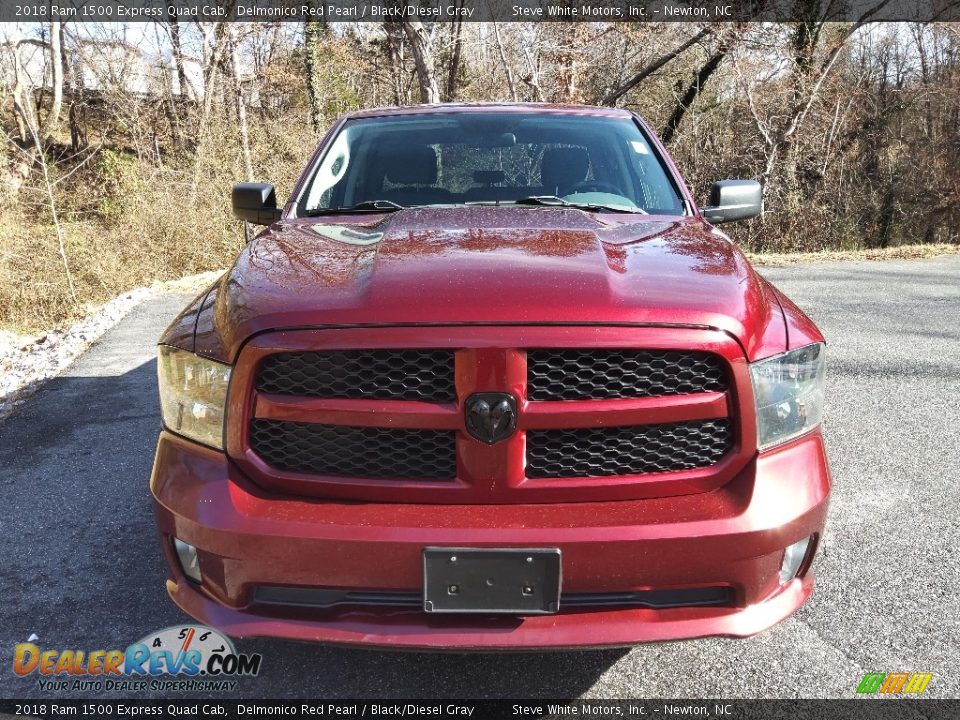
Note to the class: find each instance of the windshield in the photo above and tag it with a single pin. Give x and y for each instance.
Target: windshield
(600, 163)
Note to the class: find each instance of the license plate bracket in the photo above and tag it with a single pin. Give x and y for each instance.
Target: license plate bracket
(514, 581)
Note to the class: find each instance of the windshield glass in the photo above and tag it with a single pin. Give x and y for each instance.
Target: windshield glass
(492, 157)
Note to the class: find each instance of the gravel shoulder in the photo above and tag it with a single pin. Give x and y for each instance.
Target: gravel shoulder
(85, 571)
(26, 361)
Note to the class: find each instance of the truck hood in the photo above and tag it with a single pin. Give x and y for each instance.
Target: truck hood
(491, 265)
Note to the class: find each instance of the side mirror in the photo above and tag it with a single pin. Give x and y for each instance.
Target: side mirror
(255, 203)
(733, 200)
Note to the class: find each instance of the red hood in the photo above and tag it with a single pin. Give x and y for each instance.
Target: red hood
(492, 265)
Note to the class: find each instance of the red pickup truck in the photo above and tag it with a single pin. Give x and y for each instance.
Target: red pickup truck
(491, 379)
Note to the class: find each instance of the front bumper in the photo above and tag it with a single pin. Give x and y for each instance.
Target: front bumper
(733, 536)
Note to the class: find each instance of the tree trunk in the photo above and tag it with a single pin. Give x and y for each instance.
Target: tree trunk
(567, 44)
(613, 96)
(693, 91)
(74, 98)
(511, 83)
(213, 41)
(780, 144)
(423, 58)
(23, 100)
(78, 138)
(173, 30)
(532, 79)
(393, 46)
(56, 76)
(241, 105)
(313, 33)
(183, 96)
(454, 72)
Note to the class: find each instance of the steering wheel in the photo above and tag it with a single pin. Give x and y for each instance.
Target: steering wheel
(594, 186)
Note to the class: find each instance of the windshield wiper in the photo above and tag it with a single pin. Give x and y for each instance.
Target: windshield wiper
(554, 201)
(365, 206)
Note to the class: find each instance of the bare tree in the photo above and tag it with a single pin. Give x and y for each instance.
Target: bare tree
(56, 72)
(22, 92)
(241, 103)
(176, 50)
(456, 56)
(48, 186)
(394, 43)
(650, 68)
(313, 32)
(507, 68)
(531, 53)
(703, 74)
(214, 34)
(780, 139)
(422, 48)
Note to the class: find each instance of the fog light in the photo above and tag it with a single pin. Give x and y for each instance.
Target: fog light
(792, 560)
(189, 561)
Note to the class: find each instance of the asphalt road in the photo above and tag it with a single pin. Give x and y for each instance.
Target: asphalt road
(80, 565)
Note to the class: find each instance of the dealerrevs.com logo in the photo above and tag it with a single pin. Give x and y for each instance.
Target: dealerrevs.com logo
(181, 658)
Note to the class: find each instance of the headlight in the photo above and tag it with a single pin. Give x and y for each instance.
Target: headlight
(193, 395)
(788, 391)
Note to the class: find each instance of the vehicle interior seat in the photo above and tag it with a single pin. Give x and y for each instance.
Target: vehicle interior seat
(414, 170)
(561, 168)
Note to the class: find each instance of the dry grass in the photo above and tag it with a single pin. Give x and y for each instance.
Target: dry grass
(104, 262)
(128, 223)
(901, 252)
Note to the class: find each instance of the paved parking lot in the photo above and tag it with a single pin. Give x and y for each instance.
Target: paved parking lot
(80, 567)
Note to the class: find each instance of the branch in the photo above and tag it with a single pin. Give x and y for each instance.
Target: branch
(761, 126)
(692, 93)
(612, 97)
(88, 158)
(801, 112)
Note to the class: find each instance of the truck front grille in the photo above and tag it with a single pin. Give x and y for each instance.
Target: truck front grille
(600, 374)
(644, 411)
(605, 451)
(343, 451)
(425, 375)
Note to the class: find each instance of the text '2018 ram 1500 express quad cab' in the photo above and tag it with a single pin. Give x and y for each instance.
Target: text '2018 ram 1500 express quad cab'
(491, 380)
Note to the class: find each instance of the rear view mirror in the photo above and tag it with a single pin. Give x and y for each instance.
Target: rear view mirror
(733, 200)
(255, 203)
(498, 141)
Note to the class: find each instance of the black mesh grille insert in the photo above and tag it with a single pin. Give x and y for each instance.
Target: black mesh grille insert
(603, 374)
(323, 598)
(598, 452)
(425, 375)
(355, 451)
